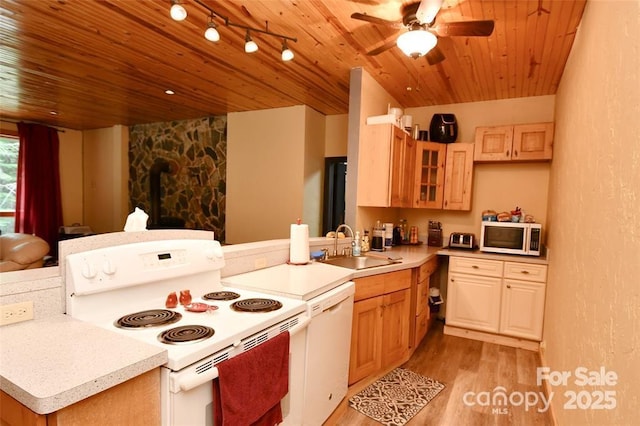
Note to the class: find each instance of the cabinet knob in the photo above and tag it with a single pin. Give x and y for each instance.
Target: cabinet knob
(524, 272)
(508, 285)
(507, 153)
(475, 266)
(515, 153)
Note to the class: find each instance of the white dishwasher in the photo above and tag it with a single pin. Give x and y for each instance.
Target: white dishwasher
(328, 347)
(329, 295)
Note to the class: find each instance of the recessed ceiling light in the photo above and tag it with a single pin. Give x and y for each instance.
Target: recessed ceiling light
(53, 112)
(169, 92)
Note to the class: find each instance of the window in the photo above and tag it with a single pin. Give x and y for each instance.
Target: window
(9, 146)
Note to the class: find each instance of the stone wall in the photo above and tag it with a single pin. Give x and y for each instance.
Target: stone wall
(195, 193)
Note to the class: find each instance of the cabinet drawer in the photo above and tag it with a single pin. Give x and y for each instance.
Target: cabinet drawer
(376, 285)
(427, 268)
(525, 271)
(468, 265)
(369, 287)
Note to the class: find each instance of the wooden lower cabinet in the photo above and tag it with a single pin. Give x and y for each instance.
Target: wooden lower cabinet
(380, 328)
(134, 402)
(421, 310)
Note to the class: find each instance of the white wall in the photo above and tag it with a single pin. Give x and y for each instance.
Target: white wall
(275, 160)
(106, 177)
(592, 316)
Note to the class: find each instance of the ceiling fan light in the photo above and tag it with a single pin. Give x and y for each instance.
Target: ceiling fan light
(287, 54)
(178, 12)
(250, 46)
(416, 43)
(211, 32)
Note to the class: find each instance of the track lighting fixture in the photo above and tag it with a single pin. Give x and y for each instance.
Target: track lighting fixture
(250, 46)
(211, 33)
(287, 54)
(178, 12)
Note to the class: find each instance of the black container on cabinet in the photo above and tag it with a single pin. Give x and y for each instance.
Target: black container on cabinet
(443, 128)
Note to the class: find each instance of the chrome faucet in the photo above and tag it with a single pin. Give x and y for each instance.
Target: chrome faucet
(335, 240)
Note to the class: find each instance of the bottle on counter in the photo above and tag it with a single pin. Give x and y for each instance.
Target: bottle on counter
(366, 244)
(357, 244)
(404, 232)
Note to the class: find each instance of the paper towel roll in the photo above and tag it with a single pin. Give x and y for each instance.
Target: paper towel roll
(299, 246)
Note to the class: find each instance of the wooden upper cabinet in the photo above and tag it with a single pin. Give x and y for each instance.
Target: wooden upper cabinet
(403, 154)
(428, 187)
(493, 143)
(521, 142)
(386, 159)
(533, 142)
(458, 179)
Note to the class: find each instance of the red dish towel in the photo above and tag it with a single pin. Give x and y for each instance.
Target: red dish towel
(250, 386)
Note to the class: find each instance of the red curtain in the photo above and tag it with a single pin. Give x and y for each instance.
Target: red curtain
(38, 201)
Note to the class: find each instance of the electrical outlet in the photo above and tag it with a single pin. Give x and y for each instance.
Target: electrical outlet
(260, 263)
(17, 312)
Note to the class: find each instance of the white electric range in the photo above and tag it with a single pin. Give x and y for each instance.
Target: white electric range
(126, 289)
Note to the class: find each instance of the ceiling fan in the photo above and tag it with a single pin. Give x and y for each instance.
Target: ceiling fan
(422, 33)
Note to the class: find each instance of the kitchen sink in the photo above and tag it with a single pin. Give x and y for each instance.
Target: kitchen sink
(360, 262)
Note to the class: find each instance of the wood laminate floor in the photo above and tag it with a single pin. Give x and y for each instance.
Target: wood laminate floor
(464, 366)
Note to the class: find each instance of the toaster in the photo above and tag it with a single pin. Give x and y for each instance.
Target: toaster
(462, 240)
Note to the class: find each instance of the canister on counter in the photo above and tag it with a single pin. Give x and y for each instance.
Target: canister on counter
(413, 235)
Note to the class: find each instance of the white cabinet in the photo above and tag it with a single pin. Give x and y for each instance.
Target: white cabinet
(522, 309)
(496, 296)
(474, 302)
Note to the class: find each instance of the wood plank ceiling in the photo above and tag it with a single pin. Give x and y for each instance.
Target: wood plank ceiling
(108, 62)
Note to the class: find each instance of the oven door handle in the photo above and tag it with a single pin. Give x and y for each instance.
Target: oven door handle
(189, 381)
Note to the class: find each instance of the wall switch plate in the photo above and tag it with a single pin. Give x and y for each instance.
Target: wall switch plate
(16, 312)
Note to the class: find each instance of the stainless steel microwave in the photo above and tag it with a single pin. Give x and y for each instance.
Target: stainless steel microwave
(511, 238)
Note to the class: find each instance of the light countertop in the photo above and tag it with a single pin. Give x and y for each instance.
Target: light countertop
(53, 363)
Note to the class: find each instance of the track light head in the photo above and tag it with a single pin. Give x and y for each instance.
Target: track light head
(287, 54)
(178, 12)
(211, 33)
(250, 46)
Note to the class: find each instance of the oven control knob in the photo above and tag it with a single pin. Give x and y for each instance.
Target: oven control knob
(89, 271)
(108, 267)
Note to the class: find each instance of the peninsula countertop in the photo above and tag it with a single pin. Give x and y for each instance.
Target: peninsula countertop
(51, 363)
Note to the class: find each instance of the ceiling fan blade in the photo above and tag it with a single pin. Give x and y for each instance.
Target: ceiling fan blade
(434, 56)
(428, 10)
(388, 45)
(464, 28)
(376, 20)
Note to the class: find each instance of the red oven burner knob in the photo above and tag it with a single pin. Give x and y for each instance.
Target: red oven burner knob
(185, 297)
(172, 300)
(108, 267)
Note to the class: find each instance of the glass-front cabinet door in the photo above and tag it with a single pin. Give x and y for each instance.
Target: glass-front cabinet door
(429, 186)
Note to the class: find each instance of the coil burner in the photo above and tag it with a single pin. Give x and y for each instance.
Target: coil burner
(221, 295)
(186, 334)
(150, 318)
(256, 305)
